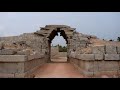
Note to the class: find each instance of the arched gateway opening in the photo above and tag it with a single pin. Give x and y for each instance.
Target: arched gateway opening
(50, 31)
(55, 54)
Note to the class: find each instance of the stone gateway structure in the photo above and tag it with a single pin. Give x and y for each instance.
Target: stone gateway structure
(21, 55)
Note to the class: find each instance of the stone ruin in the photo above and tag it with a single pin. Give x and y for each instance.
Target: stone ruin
(21, 55)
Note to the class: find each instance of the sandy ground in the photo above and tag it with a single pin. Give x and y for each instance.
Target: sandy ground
(58, 69)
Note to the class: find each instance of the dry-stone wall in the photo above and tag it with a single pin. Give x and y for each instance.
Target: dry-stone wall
(28, 43)
(21, 55)
(94, 57)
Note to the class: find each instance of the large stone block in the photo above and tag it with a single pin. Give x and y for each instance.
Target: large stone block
(20, 67)
(86, 57)
(7, 52)
(33, 63)
(91, 66)
(13, 58)
(9, 68)
(111, 49)
(36, 56)
(87, 73)
(108, 66)
(112, 57)
(87, 50)
(99, 56)
(98, 49)
(25, 52)
(6, 75)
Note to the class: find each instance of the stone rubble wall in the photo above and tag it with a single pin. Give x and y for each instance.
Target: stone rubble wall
(20, 66)
(95, 60)
(25, 44)
(20, 56)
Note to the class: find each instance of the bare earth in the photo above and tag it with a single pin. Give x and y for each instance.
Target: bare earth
(58, 70)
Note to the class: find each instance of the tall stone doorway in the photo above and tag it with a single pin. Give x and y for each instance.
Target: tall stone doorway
(58, 57)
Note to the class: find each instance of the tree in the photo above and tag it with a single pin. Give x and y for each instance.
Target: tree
(62, 49)
(111, 40)
(118, 39)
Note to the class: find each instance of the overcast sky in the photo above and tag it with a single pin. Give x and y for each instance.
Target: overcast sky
(102, 24)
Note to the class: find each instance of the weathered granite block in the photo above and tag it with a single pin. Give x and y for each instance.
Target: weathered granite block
(20, 67)
(6, 75)
(33, 63)
(87, 50)
(99, 56)
(112, 57)
(98, 49)
(91, 66)
(108, 66)
(36, 56)
(87, 73)
(13, 58)
(111, 49)
(9, 68)
(7, 52)
(26, 52)
(86, 57)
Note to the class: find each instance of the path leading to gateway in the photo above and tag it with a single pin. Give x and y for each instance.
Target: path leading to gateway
(58, 70)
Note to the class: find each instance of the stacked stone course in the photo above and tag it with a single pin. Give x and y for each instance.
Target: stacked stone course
(95, 60)
(21, 55)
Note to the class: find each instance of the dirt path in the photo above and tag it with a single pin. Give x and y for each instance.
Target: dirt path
(58, 70)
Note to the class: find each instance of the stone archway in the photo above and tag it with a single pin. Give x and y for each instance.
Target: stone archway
(50, 31)
(21, 55)
(52, 35)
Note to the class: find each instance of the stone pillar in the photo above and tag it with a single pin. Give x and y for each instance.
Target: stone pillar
(69, 48)
(49, 52)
